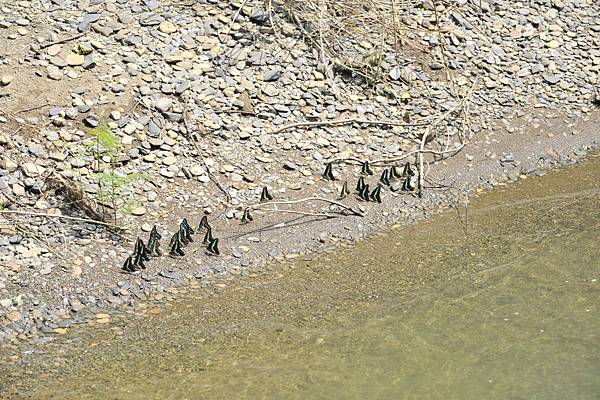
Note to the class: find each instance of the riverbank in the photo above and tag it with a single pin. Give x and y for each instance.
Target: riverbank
(158, 71)
(502, 299)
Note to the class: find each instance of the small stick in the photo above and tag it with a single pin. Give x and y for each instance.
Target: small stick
(32, 108)
(61, 41)
(346, 121)
(301, 213)
(212, 177)
(237, 12)
(353, 211)
(268, 5)
(91, 221)
(421, 175)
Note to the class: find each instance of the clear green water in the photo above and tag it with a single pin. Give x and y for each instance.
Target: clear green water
(504, 306)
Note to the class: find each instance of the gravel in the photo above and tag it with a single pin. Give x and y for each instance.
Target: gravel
(189, 104)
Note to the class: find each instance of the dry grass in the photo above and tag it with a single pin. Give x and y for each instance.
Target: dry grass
(360, 36)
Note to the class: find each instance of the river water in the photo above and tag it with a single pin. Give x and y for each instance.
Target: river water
(497, 301)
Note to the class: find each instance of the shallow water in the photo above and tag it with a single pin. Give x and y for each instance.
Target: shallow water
(500, 302)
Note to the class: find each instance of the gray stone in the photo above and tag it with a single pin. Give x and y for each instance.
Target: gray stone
(163, 104)
(552, 79)
(89, 62)
(272, 75)
(5, 80)
(182, 87)
(151, 20)
(270, 90)
(88, 19)
(55, 111)
(92, 120)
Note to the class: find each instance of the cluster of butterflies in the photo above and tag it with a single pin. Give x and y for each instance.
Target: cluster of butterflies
(142, 251)
(387, 176)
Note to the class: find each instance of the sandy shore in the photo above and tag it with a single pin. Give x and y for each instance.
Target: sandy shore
(199, 99)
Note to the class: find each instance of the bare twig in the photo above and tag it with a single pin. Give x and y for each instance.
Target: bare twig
(343, 206)
(75, 195)
(42, 242)
(346, 121)
(61, 41)
(32, 108)
(269, 11)
(421, 173)
(194, 142)
(276, 210)
(237, 13)
(89, 221)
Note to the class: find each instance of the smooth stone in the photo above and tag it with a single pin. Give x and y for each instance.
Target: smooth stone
(151, 20)
(8, 164)
(54, 73)
(6, 80)
(182, 87)
(32, 170)
(14, 316)
(74, 59)
(272, 75)
(166, 173)
(270, 90)
(54, 49)
(167, 27)
(197, 170)
(170, 160)
(552, 79)
(138, 211)
(146, 227)
(163, 104)
(18, 190)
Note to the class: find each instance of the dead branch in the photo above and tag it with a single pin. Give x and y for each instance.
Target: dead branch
(194, 142)
(237, 13)
(89, 221)
(76, 196)
(343, 206)
(346, 121)
(276, 210)
(61, 41)
(32, 108)
(421, 173)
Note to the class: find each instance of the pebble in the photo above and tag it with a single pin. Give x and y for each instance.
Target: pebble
(170, 160)
(8, 164)
(74, 59)
(270, 90)
(14, 316)
(272, 75)
(76, 270)
(5, 80)
(149, 63)
(138, 211)
(163, 104)
(32, 170)
(552, 79)
(167, 27)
